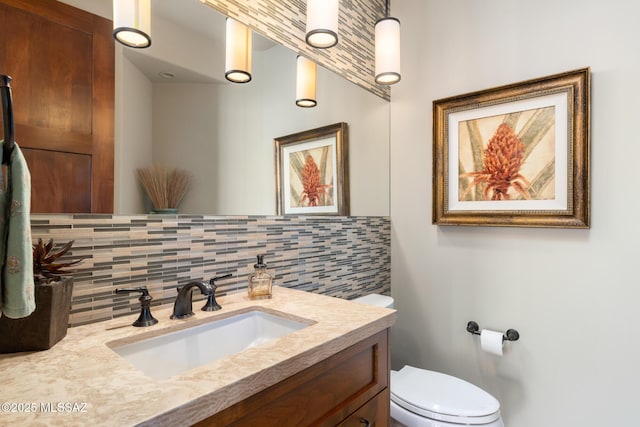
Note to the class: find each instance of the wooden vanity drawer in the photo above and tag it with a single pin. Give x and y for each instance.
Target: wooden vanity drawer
(324, 394)
(374, 413)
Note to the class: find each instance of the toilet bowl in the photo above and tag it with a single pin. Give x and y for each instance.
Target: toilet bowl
(422, 398)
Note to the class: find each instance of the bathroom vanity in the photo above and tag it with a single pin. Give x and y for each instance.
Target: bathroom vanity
(344, 389)
(332, 371)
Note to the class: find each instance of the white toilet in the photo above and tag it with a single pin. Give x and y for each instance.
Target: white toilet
(422, 398)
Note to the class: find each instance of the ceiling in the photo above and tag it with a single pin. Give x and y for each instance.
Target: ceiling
(198, 17)
(194, 16)
(191, 14)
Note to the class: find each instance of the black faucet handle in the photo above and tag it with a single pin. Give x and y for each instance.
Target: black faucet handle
(212, 281)
(212, 304)
(142, 289)
(145, 318)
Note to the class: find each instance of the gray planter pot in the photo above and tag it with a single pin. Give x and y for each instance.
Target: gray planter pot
(45, 326)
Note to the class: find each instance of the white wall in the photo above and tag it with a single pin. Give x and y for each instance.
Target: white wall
(572, 294)
(185, 125)
(133, 141)
(102, 8)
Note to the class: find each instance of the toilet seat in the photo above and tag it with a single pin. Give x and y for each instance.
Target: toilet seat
(442, 397)
(376, 299)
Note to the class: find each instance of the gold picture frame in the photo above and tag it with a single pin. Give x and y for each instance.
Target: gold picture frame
(515, 155)
(312, 172)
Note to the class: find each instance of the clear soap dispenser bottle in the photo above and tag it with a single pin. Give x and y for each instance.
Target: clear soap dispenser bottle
(260, 281)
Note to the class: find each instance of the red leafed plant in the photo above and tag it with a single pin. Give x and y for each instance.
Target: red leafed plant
(45, 267)
(312, 187)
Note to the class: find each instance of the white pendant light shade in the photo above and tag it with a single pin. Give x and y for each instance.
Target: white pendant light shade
(322, 23)
(387, 51)
(132, 22)
(238, 52)
(306, 73)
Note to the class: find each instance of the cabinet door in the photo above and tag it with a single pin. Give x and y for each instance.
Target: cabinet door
(61, 60)
(375, 413)
(322, 395)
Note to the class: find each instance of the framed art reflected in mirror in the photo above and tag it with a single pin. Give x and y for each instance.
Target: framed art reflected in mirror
(515, 155)
(312, 172)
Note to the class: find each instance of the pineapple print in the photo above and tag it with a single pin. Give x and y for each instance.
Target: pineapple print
(313, 189)
(502, 160)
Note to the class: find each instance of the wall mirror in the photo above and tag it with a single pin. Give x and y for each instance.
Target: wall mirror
(174, 107)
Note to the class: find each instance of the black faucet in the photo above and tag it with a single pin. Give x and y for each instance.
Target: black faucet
(183, 307)
(145, 318)
(211, 304)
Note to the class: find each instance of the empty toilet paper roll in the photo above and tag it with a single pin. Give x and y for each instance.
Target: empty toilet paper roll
(491, 342)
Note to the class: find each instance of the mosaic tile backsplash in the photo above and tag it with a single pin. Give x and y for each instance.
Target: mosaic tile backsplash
(338, 256)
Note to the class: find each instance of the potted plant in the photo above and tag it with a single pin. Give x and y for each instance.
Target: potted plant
(48, 324)
(165, 187)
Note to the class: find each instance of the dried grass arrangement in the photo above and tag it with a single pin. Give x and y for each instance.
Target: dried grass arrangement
(164, 185)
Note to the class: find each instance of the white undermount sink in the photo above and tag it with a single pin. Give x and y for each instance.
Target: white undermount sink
(170, 354)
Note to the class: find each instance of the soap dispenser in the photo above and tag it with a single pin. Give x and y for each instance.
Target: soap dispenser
(260, 281)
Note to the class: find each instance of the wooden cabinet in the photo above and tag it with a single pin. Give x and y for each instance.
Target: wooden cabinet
(374, 413)
(349, 388)
(61, 60)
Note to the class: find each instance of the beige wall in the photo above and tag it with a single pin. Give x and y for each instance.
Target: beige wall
(572, 294)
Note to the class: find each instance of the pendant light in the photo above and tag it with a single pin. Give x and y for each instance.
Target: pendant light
(387, 49)
(132, 22)
(238, 52)
(306, 73)
(322, 23)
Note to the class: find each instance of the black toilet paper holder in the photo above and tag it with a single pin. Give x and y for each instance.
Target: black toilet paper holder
(510, 335)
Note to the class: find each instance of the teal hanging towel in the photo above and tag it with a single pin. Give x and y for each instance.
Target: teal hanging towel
(16, 250)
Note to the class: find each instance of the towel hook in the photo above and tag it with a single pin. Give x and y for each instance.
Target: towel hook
(510, 335)
(7, 118)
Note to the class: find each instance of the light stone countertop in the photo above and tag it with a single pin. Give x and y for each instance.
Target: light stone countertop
(89, 384)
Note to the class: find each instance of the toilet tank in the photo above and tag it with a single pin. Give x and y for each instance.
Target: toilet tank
(376, 299)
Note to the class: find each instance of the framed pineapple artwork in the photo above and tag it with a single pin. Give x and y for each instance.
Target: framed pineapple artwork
(515, 155)
(312, 172)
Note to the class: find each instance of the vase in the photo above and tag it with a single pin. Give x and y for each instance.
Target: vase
(43, 328)
(165, 211)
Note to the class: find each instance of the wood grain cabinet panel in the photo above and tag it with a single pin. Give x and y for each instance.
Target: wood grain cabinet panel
(71, 170)
(374, 413)
(325, 394)
(61, 60)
